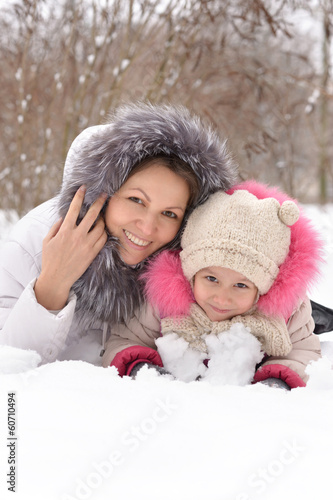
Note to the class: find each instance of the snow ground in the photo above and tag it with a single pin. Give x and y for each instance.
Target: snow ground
(84, 433)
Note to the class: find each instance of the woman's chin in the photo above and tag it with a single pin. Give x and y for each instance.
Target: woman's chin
(131, 259)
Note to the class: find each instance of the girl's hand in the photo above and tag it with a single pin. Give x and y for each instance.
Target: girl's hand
(68, 250)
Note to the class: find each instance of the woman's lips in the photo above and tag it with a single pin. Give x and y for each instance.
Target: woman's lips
(134, 241)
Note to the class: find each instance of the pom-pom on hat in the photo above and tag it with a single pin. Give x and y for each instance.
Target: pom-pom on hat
(240, 232)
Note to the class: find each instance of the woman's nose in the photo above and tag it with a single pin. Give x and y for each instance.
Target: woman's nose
(147, 224)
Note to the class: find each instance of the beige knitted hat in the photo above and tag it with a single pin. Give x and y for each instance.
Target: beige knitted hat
(240, 232)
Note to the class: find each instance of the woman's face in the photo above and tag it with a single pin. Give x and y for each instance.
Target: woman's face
(147, 211)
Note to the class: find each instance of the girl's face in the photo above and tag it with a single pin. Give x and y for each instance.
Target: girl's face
(147, 211)
(223, 293)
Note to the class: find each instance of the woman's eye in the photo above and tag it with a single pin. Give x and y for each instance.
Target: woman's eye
(172, 215)
(136, 200)
(212, 279)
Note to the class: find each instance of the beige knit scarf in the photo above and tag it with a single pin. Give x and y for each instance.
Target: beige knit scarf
(272, 333)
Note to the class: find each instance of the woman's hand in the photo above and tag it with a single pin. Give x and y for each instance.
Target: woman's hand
(68, 250)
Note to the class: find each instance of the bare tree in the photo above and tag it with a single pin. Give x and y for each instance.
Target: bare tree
(326, 7)
(240, 64)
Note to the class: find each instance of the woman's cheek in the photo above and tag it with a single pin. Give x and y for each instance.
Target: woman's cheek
(171, 228)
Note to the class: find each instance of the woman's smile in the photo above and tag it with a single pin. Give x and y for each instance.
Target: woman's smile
(132, 238)
(147, 211)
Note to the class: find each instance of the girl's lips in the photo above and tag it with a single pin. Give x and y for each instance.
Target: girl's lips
(220, 311)
(134, 241)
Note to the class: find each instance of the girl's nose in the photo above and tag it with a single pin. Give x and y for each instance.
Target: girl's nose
(222, 297)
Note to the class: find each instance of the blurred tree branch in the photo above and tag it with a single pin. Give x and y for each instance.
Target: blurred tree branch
(240, 64)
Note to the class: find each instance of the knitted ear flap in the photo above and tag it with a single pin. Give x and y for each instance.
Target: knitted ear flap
(166, 287)
(301, 268)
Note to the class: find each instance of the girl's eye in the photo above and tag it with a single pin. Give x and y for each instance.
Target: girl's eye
(241, 285)
(172, 215)
(136, 200)
(211, 279)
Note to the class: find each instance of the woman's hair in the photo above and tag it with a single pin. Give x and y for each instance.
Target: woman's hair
(177, 166)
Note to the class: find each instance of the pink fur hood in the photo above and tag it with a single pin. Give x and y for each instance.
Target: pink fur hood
(168, 290)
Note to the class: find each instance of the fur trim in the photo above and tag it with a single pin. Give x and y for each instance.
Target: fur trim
(169, 291)
(166, 287)
(102, 158)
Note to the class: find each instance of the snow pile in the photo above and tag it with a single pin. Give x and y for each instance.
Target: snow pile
(321, 374)
(13, 360)
(232, 356)
(84, 433)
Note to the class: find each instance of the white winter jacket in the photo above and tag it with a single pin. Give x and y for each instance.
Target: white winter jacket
(23, 322)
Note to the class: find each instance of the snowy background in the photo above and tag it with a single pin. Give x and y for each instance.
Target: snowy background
(84, 433)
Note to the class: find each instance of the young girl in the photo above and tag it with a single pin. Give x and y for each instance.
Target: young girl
(68, 281)
(248, 256)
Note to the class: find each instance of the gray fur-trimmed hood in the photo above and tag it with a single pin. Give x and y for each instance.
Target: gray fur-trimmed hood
(102, 157)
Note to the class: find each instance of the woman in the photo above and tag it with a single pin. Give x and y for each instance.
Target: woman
(128, 187)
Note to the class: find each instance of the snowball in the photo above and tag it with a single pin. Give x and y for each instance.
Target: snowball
(233, 356)
(179, 358)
